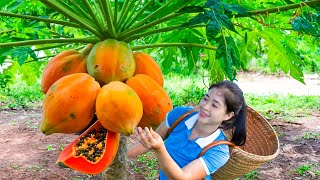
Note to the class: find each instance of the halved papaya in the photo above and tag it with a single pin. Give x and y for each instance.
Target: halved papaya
(92, 152)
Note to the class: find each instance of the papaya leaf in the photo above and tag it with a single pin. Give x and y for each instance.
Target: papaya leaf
(30, 72)
(215, 69)
(285, 56)
(4, 53)
(226, 22)
(191, 9)
(3, 3)
(223, 55)
(235, 54)
(21, 54)
(12, 7)
(168, 61)
(235, 8)
(215, 5)
(198, 19)
(213, 28)
(302, 25)
(228, 56)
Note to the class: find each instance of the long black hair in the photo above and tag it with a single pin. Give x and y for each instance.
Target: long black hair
(233, 97)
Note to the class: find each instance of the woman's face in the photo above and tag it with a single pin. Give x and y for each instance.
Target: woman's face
(213, 108)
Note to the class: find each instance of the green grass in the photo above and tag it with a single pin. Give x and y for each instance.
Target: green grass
(183, 90)
(20, 95)
(289, 106)
(311, 167)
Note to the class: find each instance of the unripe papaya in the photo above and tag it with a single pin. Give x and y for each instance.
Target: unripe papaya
(111, 60)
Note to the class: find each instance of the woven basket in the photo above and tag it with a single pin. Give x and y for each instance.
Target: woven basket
(262, 145)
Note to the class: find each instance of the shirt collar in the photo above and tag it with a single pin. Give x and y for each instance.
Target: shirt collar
(202, 142)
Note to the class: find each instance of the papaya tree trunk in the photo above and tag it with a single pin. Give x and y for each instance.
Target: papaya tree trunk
(118, 168)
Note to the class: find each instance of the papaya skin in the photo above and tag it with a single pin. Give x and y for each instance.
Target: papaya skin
(111, 60)
(156, 102)
(64, 63)
(69, 105)
(145, 64)
(118, 108)
(68, 159)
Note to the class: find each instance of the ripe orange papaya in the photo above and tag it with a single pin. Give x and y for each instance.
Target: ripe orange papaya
(145, 64)
(118, 108)
(69, 104)
(155, 100)
(92, 152)
(65, 63)
(111, 60)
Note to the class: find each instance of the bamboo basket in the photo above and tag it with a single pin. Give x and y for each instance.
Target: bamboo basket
(262, 146)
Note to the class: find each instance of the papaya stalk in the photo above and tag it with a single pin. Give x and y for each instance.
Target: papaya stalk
(136, 48)
(115, 14)
(49, 41)
(94, 16)
(108, 16)
(126, 34)
(82, 11)
(144, 20)
(124, 11)
(63, 9)
(54, 21)
(160, 30)
(50, 47)
(139, 13)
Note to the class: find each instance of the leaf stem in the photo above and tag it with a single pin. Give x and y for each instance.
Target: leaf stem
(111, 28)
(54, 21)
(49, 41)
(72, 16)
(115, 15)
(280, 8)
(146, 26)
(93, 16)
(50, 47)
(136, 48)
(84, 13)
(160, 30)
(125, 11)
(122, 12)
(138, 14)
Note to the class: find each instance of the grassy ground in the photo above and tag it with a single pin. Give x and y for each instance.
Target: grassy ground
(188, 90)
(182, 90)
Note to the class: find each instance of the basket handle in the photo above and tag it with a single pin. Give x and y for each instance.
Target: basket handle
(216, 143)
(179, 120)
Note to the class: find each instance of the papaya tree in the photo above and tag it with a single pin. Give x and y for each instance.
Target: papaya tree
(216, 38)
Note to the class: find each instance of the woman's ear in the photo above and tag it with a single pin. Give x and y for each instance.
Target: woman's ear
(229, 115)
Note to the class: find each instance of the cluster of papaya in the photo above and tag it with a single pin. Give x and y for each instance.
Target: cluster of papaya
(107, 81)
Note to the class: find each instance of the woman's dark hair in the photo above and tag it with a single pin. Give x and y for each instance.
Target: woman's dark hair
(233, 97)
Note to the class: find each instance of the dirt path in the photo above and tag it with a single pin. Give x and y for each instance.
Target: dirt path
(25, 153)
(261, 84)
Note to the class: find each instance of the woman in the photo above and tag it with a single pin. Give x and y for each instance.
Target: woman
(222, 108)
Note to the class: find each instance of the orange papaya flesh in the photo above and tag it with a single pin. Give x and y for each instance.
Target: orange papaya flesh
(92, 152)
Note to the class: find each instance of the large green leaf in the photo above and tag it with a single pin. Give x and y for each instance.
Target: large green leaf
(302, 25)
(4, 3)
(278, 52)
(228, 56)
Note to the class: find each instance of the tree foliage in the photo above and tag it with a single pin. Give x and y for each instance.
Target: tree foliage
(213, 37)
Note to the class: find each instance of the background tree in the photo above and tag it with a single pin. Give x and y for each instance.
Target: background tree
(216, 38)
